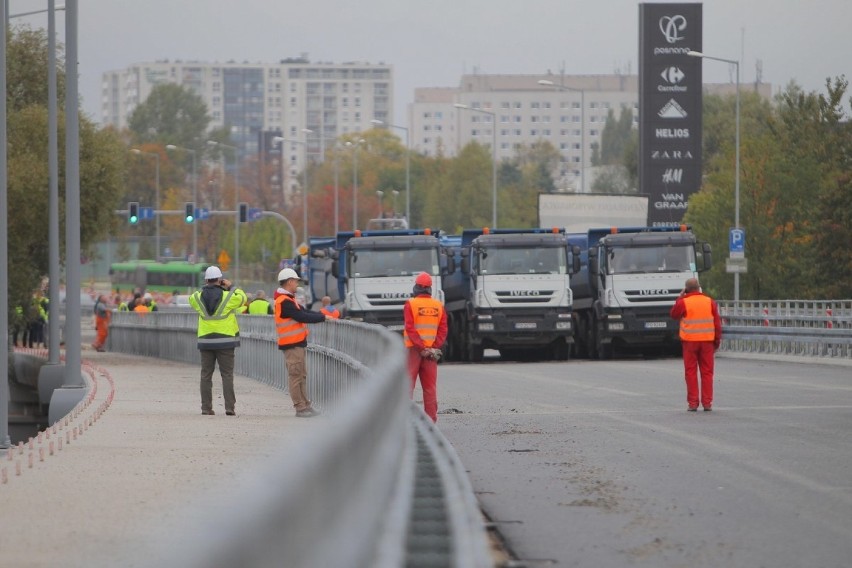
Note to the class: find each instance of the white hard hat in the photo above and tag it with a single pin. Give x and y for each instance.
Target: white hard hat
(148, 296)
(287, 274)
(212, 273)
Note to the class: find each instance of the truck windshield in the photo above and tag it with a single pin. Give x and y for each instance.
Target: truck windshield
(543, 260)
(378, 263)
(641, 260)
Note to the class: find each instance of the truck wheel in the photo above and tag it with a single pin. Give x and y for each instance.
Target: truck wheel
(591, 342)
(475, 353)
(561, 351)
(604, 350)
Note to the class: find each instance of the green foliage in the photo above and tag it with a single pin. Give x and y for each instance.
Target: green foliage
(617, 156)
(172, 114)
(794, 194)
(26, 71)
(101, 168)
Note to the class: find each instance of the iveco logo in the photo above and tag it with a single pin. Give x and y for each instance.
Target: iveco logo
(652, 292)
(525, 293)
(671, 26)
(389, 295)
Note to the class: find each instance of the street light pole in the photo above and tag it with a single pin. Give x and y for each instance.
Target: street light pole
(737, 152)
(356, 145)
(236, 204)
(280, 140)
(582, 92)
(493, 158)
(336, 188)
(194, 199)
(407, 167)
(139, 152)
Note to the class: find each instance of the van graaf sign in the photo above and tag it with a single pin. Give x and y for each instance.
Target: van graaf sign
(670, 127)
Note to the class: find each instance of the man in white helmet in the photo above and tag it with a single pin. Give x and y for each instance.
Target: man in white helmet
(217, 304)
(291, 325)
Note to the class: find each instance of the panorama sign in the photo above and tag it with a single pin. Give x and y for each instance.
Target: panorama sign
(669, 108)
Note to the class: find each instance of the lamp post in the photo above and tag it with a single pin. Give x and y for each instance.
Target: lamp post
(381, 194)
(236, 203)
(194, 198)
(493, 158)
(336, 188)
(139, 152)
(582, 92)
(407, 167)
(304, 144)
(737, 152)
(355, 145)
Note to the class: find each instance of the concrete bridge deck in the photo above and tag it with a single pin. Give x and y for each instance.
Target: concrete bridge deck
(126, 481)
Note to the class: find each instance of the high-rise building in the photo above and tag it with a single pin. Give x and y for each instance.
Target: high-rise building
(295, 99)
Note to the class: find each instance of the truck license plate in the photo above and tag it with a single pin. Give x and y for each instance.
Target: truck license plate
(525, 325)
(655, 324)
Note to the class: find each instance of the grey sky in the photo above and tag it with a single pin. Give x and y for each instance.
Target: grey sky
(432, 43)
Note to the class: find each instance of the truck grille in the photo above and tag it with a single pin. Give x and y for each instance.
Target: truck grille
(510, 297)
(646, 296)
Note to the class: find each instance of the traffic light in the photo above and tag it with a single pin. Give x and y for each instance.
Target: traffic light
(189, 212)
(133, 212)
(243, 212)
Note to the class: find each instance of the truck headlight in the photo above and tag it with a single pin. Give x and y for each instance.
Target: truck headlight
(563, 325)
(486, 327)
(616, 326)
(613, 316)
(484, 317)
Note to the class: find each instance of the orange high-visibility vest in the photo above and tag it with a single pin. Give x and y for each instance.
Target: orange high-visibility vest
(331, 312)
(427, 315)
(697, 323)
(290, 331)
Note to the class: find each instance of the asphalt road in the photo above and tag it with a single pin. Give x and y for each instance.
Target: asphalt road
(598, 464)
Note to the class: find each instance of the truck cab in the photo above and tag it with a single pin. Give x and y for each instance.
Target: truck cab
(634, 275)
(516, 295)
(377, 270)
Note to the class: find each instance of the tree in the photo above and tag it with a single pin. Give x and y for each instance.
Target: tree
(794, 195)
(102, 159)
(171, 114)
(616, 158)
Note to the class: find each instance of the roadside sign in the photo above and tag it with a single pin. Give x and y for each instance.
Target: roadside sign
(146, 213)
(736, 265)
(202, 213)
(254, 213)
(736, 243)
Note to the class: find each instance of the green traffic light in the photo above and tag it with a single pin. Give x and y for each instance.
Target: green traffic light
(133, 219)
(189, 219)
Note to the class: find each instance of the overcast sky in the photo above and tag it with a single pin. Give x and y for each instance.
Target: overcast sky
(431, 43)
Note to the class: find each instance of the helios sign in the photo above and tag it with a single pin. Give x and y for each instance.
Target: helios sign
(669, 108)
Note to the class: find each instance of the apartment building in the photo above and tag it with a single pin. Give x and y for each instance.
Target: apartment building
(569, 111)
(286, 99)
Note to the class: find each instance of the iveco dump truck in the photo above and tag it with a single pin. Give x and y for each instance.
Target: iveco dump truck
(628, 282)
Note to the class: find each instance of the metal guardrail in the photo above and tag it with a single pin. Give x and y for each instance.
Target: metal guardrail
(354, 495)
(805, 328)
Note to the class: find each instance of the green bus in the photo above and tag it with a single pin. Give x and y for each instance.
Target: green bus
(153, 276)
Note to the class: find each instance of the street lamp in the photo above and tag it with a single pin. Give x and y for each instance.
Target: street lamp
(304, 144)
(194, 197)
(582, 92)
(493, 158)
(356, 145)
(139, 152)
(380, 194)
(236, 203)
(737, 151)
(407, 167)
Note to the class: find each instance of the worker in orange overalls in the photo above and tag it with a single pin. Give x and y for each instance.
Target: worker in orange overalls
(102, 317)
(328, 309)
(700, 335)
(425, 333)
